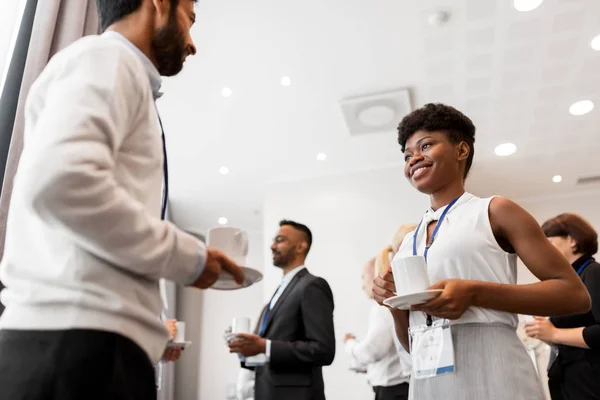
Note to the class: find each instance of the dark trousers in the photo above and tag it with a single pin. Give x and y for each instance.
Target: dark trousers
(73, 365)
(397, 392)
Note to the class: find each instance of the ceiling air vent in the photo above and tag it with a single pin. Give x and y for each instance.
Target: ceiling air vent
(587, 180)
(378, 112)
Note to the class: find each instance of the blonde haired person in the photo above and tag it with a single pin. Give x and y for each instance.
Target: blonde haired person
(383, 260)
(388, 366)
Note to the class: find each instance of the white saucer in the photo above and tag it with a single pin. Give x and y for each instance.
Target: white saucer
(180, 345)
(226, 281)
(406, 301)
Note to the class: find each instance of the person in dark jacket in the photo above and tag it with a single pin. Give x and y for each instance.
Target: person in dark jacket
(574, 369)
(294, 333)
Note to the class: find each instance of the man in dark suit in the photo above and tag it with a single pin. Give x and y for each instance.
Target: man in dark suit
(295, 329)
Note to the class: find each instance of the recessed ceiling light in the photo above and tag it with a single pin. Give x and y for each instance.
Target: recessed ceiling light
(286, 81)
(557, 178)
(222, 221)
(438, 18)
(595, 43)
(226, 92)
(505, 149)
(581, 107)
(223, 170)
(321, 156)
(527, 5)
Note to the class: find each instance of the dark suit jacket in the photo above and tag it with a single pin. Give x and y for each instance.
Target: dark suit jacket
(300, 327)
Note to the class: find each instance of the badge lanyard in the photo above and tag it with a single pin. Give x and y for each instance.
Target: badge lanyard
(435, 231)
(585, 264)
(433, 235)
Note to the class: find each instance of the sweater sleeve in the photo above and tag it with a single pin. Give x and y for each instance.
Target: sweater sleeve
(84, 114)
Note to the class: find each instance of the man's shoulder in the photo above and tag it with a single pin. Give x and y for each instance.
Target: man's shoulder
(308, 276)
(94, 43)
(314, 280)
(102, 51)
(98, 60)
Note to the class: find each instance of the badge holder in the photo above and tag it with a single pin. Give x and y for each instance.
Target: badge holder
(431, 346)
(432, 349)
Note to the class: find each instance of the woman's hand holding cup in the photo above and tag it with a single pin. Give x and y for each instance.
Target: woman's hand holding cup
(384, 287)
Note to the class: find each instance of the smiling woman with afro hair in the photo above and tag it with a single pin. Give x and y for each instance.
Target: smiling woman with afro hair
(473, 262)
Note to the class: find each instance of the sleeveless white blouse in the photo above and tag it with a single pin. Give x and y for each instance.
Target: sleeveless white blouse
(465, 248)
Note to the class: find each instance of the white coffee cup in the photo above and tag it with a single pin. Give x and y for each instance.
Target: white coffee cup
(240, 325)
(180, 336)
(410, 275)
(231, 241)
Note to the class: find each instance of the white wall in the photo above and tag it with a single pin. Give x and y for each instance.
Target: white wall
(207, 367)
(544, 208)
(352, 217)
(582, 203)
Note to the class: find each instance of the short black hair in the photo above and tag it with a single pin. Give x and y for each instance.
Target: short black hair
(576, 227)
(439, 117)
(300, 227)
(111, 11)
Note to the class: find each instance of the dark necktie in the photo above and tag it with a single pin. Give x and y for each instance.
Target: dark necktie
(165, 197)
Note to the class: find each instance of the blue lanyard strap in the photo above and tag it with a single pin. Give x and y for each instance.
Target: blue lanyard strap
(585, 264)
(435, 231)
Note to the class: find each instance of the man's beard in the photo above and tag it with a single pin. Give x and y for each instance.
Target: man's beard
(281, 261)
(168, 47)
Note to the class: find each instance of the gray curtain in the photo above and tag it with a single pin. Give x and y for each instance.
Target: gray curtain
(52, 25)
(9, 98)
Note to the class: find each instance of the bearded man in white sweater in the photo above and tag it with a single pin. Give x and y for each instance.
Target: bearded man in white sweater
(86, 240)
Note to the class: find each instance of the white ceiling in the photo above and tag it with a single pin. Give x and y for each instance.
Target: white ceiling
(515, 74)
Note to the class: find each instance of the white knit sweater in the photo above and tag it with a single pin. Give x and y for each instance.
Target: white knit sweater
(85, 245)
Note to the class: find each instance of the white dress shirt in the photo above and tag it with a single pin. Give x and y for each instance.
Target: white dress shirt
(285, 281)
(386, 365)
(85, 244)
